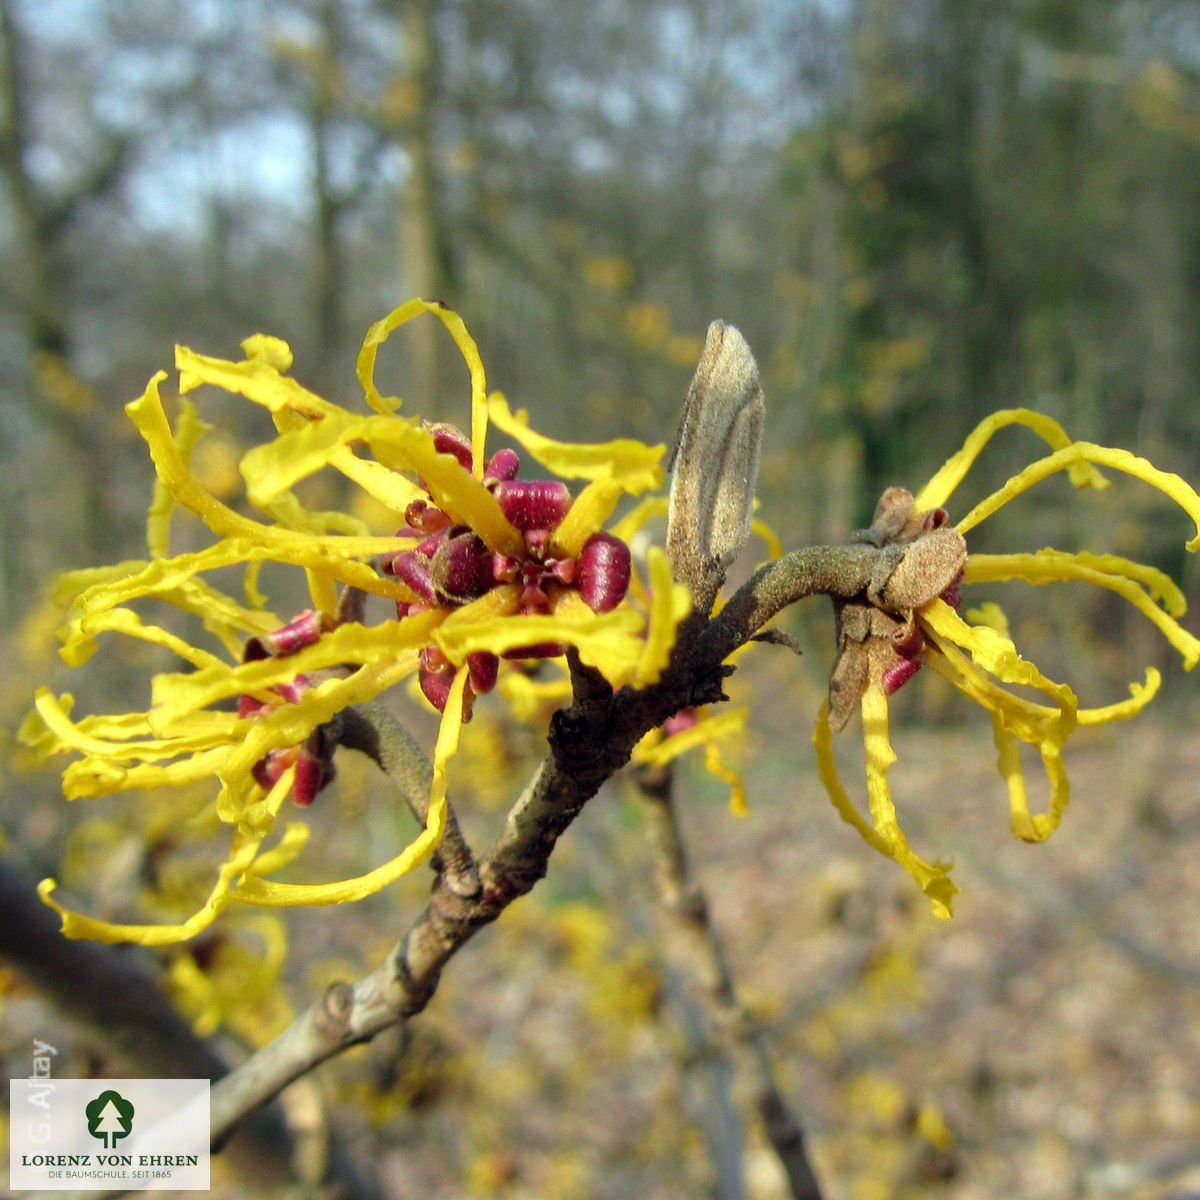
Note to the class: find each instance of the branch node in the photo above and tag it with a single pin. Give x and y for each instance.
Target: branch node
(332, 1018)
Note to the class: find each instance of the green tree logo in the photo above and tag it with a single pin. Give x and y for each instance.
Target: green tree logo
(109, 1117)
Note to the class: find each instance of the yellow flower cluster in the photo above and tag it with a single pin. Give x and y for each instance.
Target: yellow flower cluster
(980, 659)
(190, 731)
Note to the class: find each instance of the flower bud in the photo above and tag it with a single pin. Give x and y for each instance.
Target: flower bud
(449, 440)
(503, 465)
(603, 572)
(897, 674)
(534, 504)
(483, 669)
(301, 631)
(412, 569)
(461, 568)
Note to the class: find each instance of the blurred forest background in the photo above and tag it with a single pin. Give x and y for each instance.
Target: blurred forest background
(917, 211)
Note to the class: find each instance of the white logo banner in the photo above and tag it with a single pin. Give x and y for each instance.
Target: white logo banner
(110, 1134)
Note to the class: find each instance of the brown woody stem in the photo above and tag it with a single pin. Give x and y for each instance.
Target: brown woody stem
(589, 741)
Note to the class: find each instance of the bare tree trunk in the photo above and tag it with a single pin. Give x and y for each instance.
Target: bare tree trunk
(425, 266)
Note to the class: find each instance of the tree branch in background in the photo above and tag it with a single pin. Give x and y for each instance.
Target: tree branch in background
(726, 1027)
(113, 998)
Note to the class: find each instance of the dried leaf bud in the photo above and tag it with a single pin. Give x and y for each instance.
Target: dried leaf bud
(930, 565)
(715, 464)
(603, 573)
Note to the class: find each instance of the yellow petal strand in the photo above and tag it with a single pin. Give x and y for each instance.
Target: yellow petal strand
(939, 489)
(290, 724)
(265, 892)
(295, 838)
(1008, 760)
(258, 378)
(634, 464)
(286, 510)
(532, 699)
(279, 465)
(670, 603)
(706, 730)
(71, 584)
(769, 536)
(995, 653)
(822, 740)
(94, 736)
(1104, 570)
(147, 414)
(379, 333)
(102, 775)
(591, 508)
(610, 642)
(1077, 453)
(389, 487)
(176, 694)
(1046, 729)
(1140, 695)
(1033, 723)
(283, 545)
(643, 511)
(933, 879)
(986, 568)
(76, 925)
(322, 591)
(408, 446)
(164, 575)
(716, 766)
(126, 621)
(158, 525)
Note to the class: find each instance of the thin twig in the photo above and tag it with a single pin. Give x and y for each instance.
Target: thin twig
(733, 1030)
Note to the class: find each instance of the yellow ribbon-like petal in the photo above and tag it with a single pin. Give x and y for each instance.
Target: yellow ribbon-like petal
(940, 488)
(670, 603)
(884, 833)
(656, 751)
(259, 378)
(265, 892)
(175, 694)
(1104, 570)
(1079, 454)
(1044, 728)
(380, 332)
(279, 465)
(77, 925)
(332, 554)
(591, 508)
(633, 463)
(162, 505)
(409, 446)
